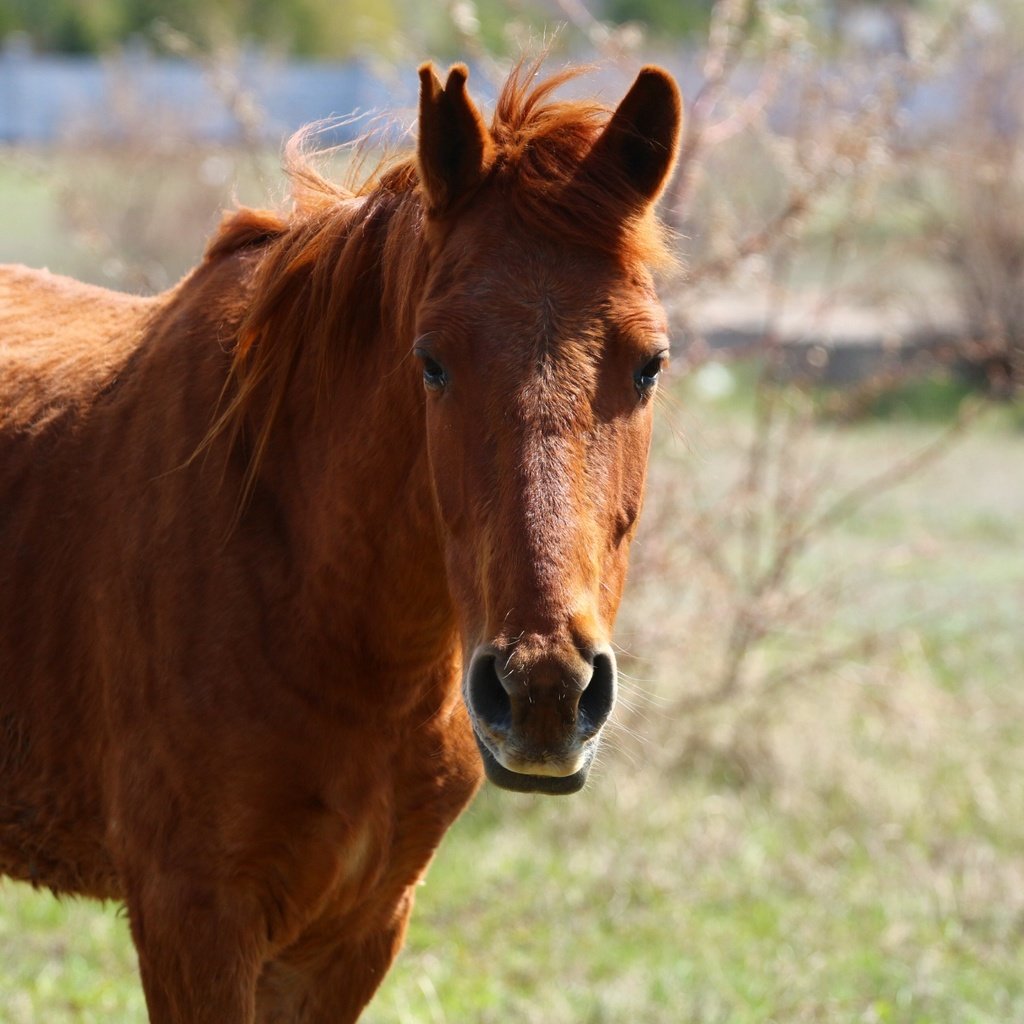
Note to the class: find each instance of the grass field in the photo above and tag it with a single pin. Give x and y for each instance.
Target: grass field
(135, 221)
(856, 855)
(846, 847)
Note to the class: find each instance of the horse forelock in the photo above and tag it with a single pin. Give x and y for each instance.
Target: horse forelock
(541, 160)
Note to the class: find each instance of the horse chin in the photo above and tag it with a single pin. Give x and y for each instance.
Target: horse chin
(519, 782)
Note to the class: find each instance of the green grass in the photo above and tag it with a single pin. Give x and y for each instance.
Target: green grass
(867, 868)
(64, 961)
(31, 218)
(135, 218)
(851, 854)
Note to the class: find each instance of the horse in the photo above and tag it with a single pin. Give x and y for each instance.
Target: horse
(296, 553)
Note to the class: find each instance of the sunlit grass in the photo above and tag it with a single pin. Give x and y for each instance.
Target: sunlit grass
(65, 961)
(861, 861)
(855, 858)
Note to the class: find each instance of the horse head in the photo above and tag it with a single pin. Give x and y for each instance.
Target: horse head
(540, 341)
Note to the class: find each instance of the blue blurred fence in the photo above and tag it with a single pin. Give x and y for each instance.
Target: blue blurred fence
(46, 99)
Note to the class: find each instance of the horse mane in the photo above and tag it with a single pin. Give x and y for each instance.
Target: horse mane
(318, 285)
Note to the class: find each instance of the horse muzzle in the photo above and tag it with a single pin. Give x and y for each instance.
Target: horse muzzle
(538, 719)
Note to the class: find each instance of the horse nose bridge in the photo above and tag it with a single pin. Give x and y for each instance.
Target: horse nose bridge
(544, 541)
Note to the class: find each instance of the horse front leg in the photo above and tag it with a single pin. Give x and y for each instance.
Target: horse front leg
(332, 972)
(200, 951)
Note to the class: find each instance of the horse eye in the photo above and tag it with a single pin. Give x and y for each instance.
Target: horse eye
(647, 376)
(434, 376)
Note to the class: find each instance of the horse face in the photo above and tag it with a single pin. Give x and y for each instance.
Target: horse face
(540, 366)
(540, 351)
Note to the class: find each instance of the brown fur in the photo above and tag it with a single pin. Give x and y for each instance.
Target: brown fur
(247, 563)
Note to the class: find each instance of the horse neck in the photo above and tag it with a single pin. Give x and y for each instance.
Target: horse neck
(352, 473)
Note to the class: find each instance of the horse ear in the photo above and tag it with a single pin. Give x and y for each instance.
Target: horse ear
(639, 145)
(455, 147)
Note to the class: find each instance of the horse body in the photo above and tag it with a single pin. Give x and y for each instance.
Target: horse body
(51, 368)
(262, 629)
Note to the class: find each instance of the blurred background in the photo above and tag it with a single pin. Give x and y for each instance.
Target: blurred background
(811, 808)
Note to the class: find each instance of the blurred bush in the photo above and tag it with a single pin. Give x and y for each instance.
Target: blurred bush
(978, 209)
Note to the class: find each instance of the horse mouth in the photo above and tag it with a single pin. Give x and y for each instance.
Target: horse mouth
(520, 782)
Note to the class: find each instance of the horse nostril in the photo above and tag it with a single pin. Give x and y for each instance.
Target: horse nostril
(598, 699)
(488, 699)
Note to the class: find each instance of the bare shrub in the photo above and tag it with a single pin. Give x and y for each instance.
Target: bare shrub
(978, 213)
(794, 219)
(784, 204)
(741, 588)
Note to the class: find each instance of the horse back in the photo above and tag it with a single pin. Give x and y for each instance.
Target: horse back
(121, 607)
(61, 342)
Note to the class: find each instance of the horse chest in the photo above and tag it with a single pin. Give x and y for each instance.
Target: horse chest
(419, 791)
(364, 839)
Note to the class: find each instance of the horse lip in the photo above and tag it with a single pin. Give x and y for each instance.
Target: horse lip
(520, 782)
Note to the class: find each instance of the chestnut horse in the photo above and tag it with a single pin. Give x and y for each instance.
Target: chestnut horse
(294, 553)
